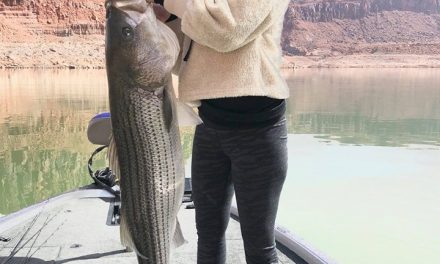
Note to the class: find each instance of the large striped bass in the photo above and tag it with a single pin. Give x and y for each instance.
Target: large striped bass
(140, 54)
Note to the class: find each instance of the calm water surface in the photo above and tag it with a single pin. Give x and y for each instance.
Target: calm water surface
(364, 154)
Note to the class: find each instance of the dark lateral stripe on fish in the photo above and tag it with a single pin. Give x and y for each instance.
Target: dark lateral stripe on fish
(135, 170)
(128, 207)
(151, 201)
(166, 162)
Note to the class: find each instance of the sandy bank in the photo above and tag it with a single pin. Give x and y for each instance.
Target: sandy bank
(364, 61)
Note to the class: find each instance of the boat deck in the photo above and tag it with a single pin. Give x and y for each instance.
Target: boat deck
(76, 232)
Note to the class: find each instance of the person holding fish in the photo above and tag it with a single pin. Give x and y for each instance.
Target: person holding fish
(230, 67)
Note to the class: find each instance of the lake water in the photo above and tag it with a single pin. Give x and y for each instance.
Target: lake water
(364, 154)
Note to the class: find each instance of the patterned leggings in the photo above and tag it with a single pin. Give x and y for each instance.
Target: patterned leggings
(253, 162)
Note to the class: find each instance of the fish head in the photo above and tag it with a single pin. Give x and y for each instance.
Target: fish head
(138, 45)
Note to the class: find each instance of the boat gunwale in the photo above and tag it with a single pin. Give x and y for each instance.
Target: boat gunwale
(296, 245)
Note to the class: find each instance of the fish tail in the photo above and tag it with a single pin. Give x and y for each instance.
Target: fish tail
(178, 239)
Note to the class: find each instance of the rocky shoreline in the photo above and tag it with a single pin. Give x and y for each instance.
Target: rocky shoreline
(88, 53)
(73, 52)
(363, 61)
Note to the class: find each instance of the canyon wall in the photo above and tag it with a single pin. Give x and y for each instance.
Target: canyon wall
(363, 26)
(325, 11)
(311, 27)
(54, 17)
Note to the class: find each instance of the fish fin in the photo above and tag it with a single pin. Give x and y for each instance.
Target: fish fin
(113, 158)
(126, 239)
(178, 239)
(167, 109)
(186, 115)
(124, 232)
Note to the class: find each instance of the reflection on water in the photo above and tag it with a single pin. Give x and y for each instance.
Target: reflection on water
(43, 144)
(385, 107)
(364, 152)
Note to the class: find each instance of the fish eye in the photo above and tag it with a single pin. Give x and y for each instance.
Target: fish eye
(127, 33)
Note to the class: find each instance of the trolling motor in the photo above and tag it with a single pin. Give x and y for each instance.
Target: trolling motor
(100, 129)
(98, 133)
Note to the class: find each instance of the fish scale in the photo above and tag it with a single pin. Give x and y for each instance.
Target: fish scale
(153, 146)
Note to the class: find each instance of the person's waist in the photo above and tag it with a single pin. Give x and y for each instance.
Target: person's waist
(230, 117)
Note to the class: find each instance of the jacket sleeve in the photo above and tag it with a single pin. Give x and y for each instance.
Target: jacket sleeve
(223, 25)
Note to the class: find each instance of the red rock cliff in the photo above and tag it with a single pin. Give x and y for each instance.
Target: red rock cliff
(312, 27)
(57, 17)
(347, 27)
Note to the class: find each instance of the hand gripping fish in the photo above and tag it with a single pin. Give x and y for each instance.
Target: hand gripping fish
(145, 151)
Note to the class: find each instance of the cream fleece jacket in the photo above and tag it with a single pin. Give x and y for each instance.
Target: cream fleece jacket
(236, 49)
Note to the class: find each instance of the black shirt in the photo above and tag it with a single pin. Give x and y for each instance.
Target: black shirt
(241, 112)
